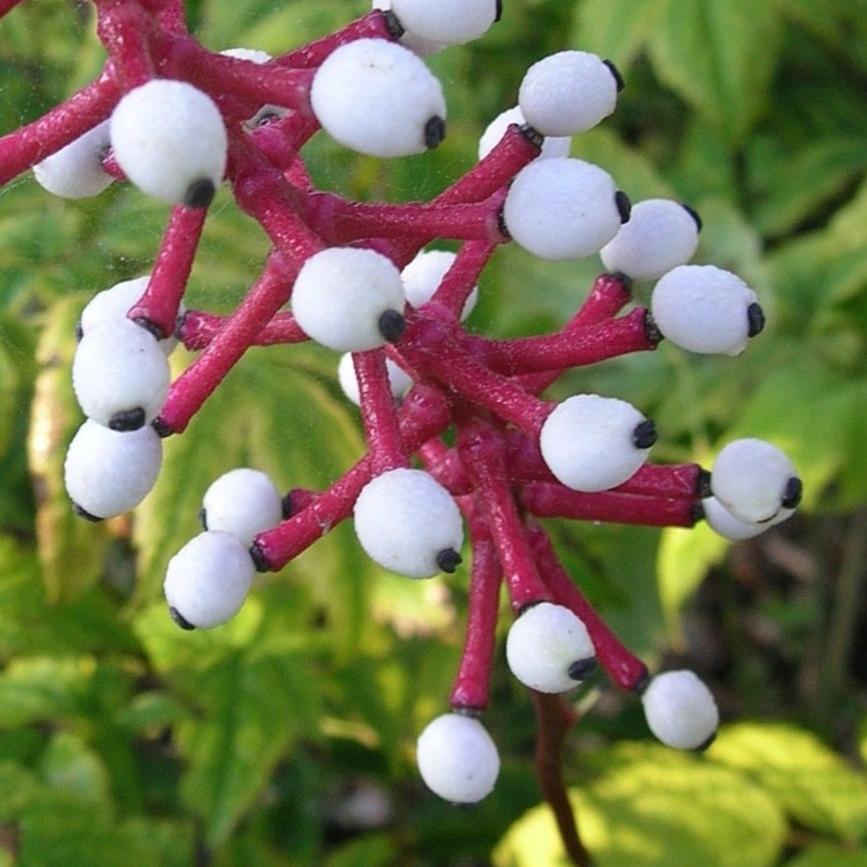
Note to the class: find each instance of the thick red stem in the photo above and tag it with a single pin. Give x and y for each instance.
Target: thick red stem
(378, 412)
(458, 282)
(7, 6)
(125, 29)
(198, 329)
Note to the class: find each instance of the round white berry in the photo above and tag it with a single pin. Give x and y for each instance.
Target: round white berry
(422, 277)
(754, 480)
(409, 523)
(108, 473)
(725, 524)
(551, 147)
(704, 309)
(592, 443)
(111, 305)
(660, 235)
(253, 55)
(243, 503)
(75, 171)
(349, 299)
(548, 648)
(563, 208)
(568, 92)
(680, 710)
(450, 22)
(422, 47)
(120, 375)
(457, 758)
(378, 98)
(208, 580)
(399, 381)
(170, 139)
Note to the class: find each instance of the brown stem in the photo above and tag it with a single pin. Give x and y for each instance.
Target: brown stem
(554, 721)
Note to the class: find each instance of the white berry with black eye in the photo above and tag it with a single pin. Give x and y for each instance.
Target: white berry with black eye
(111, 305)
(449, 22)
(378, 98)
(549, 649)
(107, 473)
(208, 580)
(592, 443)
(568, 92)
(457, 758)
(552, 146)
(120, 375)
(660, 235)
(754, 480)
(408, 523)
(725, 524)
(563, 208)
(242, 502)
(422, 277)
(349, 299)
(75, 171)
(399, 382)
(421, 47)
(705, 309)
(680, 710)
(170, 139)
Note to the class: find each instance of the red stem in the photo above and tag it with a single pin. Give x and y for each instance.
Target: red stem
(281, 139)
(198, 329)
(458, 282)
(126, 30)
(378, 412)
(7, 6)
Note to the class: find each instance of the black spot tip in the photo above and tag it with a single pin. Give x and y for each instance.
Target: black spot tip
(651, 329)
(756, 319)
(702, 485)
(180, 619)
(499, 13)
(203, 518)
(392, 25)
(618, 78)
(624, 206)
(502, 228)
(162, 428)
(448, 560)
(151, 327)
(581, 669)
(705, 744)
(286, 506)
(127, 420)
(83, 513)
(79, 331)
(792, 494)
(697, 512)
(641, 682)
(434, 132)
(392, 325)
(200, 193)
(259, 559)
(624, 279)
(644, 434)
(694, 214)
(532, 135)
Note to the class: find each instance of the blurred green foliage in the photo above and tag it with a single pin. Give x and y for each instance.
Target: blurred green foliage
(285, 737)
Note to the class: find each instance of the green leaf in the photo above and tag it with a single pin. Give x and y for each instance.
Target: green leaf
(815, 786)
(43, 688)
(615, 29)
(719, 57)
(375, 850)
(826, 855)
(70, 765)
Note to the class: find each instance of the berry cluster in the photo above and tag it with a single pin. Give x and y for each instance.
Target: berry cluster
(177, 121)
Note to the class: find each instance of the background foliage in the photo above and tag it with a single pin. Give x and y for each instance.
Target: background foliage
(285, 738)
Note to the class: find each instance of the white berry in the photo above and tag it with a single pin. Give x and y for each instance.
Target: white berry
(208, 580)
(660, 235)
(450, 22)
(568, 93)
(380, 99)
(754, 480)
(704, 309)
(562, 208)
(680, 710)
(408, 523)
(120, 375)
(242, 502)
(422, 277)
(422, 47)
(341, 295)
(553, 146)
(170, 139)
(549, 649)
(457, 758)
(399, 381)
(725, 524)
(108, 473)
(112, 305)
(592, 443)
(75, 171)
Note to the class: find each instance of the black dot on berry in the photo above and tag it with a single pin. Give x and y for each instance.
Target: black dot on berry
(200, 193)
(448, 560)
(151, 327)
(582, 668)
(286, 506)
(792, 493)
(180, 619)
(644, 434)
(624, 206)
(203, 518)
(705, 744)
(694, 214)
(127, 420)
(641, 682)
(391, 325)
(502, 228)
(651, 329)
(618, 78)
(392, 25)
(434, 132)
(755, 319)
(702, 485)
(162, 428)
(79, 331)
(532, 135)
(83, 513)
(499, 13)
(697, 512)
(258, 557)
